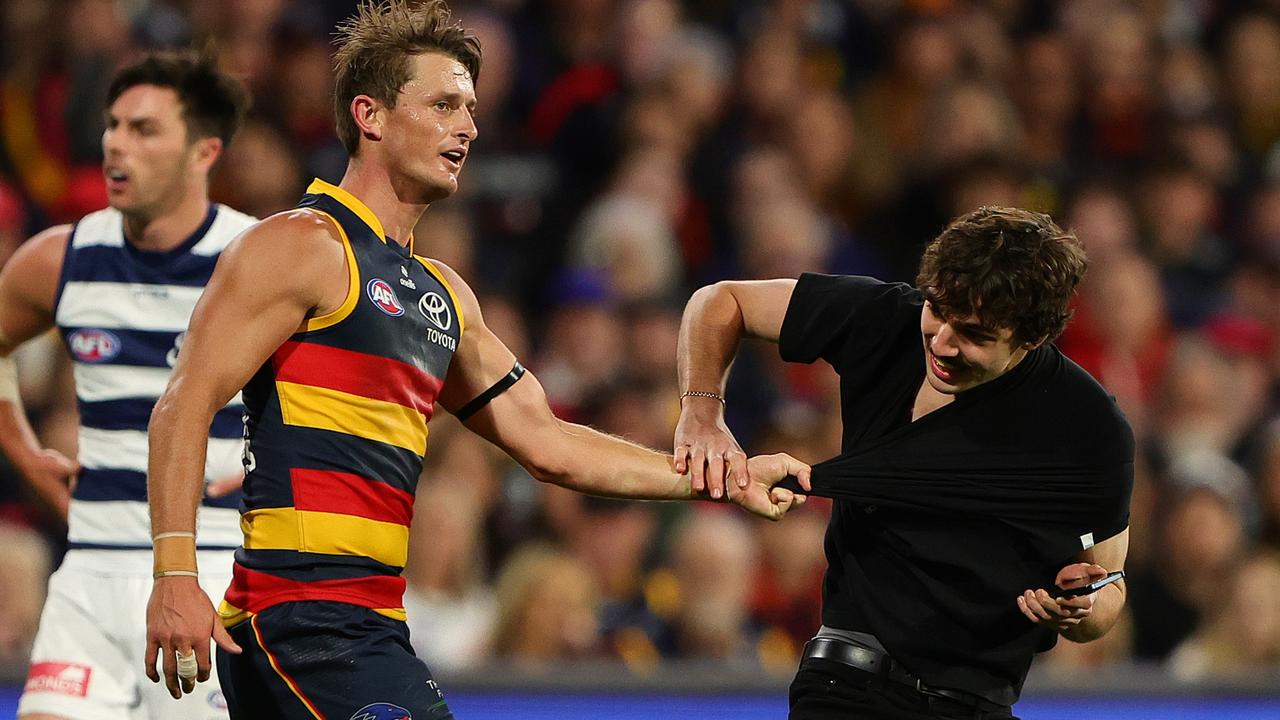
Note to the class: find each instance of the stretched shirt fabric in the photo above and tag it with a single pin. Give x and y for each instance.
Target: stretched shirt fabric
(336, 429)
(122, 314)
(939, 524)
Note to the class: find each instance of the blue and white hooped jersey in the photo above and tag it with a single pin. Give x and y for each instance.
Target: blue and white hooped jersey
(122, 313)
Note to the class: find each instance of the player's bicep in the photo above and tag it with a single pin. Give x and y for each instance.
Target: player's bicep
(763, 304)
(519, 421)
(513, 415)
(264, 287)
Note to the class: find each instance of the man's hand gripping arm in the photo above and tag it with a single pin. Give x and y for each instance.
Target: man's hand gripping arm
(575, 456)
(715, 320)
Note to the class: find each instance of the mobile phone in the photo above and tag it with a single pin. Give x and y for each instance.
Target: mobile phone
(1092, 587)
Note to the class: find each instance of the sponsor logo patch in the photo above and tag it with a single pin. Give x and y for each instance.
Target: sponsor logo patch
(93, 346)
(382, 295)
(57, 677)
(434, 308)
(382, 711)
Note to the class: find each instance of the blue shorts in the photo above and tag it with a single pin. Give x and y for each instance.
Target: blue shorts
(327, 661)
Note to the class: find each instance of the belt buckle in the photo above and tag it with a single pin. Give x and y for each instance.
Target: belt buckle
(926, 690)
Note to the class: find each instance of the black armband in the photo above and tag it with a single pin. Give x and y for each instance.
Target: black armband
(484, 398)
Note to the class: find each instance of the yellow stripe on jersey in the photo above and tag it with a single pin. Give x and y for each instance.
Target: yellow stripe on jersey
(353, 284)
(325, 409)
(352, 203)
(431, 268)
(232, 615)
(287, 528)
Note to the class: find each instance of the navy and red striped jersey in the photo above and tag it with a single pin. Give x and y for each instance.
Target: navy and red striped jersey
(336, 429)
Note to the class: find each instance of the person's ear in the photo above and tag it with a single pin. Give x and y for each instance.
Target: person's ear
(205, 152)
(369, 115)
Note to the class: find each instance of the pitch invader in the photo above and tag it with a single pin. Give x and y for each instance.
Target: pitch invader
(120, 286)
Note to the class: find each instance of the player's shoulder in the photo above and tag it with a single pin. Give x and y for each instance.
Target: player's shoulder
(43, 252)
(296, 228)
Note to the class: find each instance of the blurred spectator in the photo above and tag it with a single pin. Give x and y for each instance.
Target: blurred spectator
(583, 352)
(1243, 635)
(259, 173)
(713, 554)
(1178, 209)
(1201, 539)
(450, 608)
(631, 241)
(1103, 218)
(1120, 333)
(787, 593)
(547, 604)
(1251, 65)
(1268, 473)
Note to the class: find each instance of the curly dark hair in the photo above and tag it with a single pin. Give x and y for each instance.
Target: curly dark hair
(213, 103)
(1011, 268)
(376, 45)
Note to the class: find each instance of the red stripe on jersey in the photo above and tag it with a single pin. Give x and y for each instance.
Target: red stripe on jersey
(357, 373)
(255, 591)
(347, 494)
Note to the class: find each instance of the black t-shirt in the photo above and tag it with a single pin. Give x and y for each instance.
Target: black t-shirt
(954, 515)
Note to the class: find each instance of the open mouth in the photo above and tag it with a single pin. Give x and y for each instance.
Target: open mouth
(946, 371)
(455, 157)
(115, 177)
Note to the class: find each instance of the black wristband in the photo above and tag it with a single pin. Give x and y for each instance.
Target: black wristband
(484, 398)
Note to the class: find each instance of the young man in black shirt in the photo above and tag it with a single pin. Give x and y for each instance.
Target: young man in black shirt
(978, 463)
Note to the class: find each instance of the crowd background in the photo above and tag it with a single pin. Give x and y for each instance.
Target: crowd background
(631, 151)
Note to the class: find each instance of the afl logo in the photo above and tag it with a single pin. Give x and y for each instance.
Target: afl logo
(382, 711)
(93, 346)
(434, 308)
(384, 297)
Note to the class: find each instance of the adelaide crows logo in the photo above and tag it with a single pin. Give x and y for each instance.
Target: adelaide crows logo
(382, 295)
(382, 711)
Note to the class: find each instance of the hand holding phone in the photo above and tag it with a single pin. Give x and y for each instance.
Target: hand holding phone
(1090, 588)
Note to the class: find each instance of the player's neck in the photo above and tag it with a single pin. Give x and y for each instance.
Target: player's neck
(376, 189)
(166, 230)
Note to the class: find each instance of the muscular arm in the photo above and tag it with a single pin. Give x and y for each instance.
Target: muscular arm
(28, 284)
(716, 318)
(521, 422)
(267, 282)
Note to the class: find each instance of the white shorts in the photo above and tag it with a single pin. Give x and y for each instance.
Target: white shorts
(87, 661)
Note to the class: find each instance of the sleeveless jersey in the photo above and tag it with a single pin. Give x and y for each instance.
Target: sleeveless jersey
(122, 313)
(336, 429)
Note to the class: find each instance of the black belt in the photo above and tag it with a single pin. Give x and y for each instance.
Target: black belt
(881, 665)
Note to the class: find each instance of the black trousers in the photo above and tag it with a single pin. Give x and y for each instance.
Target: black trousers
(826, 690)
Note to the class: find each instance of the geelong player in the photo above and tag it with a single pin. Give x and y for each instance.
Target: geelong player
(120, 286)
(344, 341)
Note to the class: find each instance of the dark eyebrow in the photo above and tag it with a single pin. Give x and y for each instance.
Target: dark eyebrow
(977, 330)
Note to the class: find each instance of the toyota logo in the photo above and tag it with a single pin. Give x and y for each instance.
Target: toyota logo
(434, 308)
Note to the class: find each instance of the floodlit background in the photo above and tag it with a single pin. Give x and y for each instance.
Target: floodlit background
(632, 151)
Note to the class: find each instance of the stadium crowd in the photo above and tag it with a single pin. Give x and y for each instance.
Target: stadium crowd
(631, 151)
